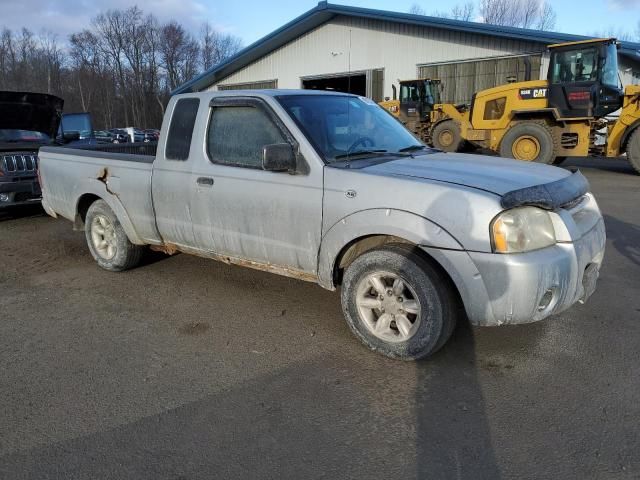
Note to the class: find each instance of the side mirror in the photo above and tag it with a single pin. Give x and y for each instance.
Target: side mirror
(71, 136)
(278, 157)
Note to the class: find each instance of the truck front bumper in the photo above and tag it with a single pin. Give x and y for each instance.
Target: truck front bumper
(19, 193)
(499, 289)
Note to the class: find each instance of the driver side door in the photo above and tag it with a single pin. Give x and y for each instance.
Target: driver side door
(242, 211)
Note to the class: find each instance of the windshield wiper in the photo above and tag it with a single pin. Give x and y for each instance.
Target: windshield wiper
(360, 152)
(411, 148)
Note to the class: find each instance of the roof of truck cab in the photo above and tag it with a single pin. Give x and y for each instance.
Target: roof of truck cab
(262, 93)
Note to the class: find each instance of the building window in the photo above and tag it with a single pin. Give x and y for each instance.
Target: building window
(237, 135)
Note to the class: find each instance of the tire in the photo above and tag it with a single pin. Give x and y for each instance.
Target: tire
(533, 140)
(425, 290)
(446, 136)
(559, 160)
(117, 252)
(633, 149)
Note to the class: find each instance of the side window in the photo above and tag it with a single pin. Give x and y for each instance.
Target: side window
(181, 129)
(238, 133)
(494, 109)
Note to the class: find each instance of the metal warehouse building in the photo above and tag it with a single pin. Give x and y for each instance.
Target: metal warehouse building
(367, 51)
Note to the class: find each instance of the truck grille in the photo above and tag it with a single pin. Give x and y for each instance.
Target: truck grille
(20, 163)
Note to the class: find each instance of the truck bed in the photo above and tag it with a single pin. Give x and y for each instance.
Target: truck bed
(123, 180)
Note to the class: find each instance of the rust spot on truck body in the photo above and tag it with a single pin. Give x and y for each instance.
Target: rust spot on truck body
(103, 176)
(171, 249)
(168, 248)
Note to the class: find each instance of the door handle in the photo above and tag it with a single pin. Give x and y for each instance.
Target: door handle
(205, 181)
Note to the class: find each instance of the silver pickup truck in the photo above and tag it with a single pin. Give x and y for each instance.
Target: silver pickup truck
(329, 188)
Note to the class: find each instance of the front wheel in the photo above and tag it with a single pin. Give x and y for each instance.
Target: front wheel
(633, 150)
(397, 303)
(107, 240)
(530, 141)
(446, 136)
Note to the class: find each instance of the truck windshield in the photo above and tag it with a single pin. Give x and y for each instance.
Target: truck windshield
(344, 126)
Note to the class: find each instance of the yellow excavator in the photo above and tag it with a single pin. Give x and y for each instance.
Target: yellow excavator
(545, 121)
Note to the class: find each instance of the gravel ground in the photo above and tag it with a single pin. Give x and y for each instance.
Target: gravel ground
(186, 368)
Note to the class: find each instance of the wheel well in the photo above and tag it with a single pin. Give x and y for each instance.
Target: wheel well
(361, 245)
(84, 203)
(627, 135)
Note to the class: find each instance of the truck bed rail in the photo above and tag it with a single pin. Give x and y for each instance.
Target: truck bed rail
(139, 148)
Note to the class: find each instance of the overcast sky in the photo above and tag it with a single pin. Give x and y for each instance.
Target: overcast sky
(252, 19)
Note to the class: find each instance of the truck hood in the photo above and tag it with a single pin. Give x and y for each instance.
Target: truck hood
(492, 174)
(37, 112)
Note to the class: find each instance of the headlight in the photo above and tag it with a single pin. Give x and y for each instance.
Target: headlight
(521, 230)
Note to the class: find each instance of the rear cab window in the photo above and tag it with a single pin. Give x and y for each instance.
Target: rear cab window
(181, 129)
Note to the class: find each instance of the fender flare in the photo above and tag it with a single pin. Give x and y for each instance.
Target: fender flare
(98, 188)
(379, 221)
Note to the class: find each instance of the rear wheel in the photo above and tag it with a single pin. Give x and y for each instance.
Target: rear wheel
(397, 303)
(446, 136)
(530, 142)
(633, 150)
(107, 240)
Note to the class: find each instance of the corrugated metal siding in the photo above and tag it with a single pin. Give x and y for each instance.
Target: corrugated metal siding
(398, 48)
(461, 80)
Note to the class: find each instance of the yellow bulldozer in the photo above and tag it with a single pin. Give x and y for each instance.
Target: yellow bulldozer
(566, 115)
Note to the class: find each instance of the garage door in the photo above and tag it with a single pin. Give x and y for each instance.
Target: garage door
(250, 85)
(461, 79)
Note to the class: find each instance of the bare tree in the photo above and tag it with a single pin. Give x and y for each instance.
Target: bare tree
(464, 12)
(497, 12)
(547, 19)
(179, 53)
(416, 9)
(111, 30)
(122, 70)
(529, 12)
(215, 46)
(518, 13)
(51, 57)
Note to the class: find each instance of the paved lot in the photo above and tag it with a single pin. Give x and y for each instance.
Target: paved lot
(187, 368)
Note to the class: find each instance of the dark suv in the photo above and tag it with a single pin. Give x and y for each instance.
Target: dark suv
(27, 122)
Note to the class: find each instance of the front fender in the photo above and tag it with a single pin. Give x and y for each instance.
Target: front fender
(383, 221)
(100, 189)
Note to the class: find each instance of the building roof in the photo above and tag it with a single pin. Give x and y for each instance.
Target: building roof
(324, 12)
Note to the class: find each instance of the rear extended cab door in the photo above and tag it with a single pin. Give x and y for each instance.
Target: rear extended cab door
(238, 209)
(171, 179)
